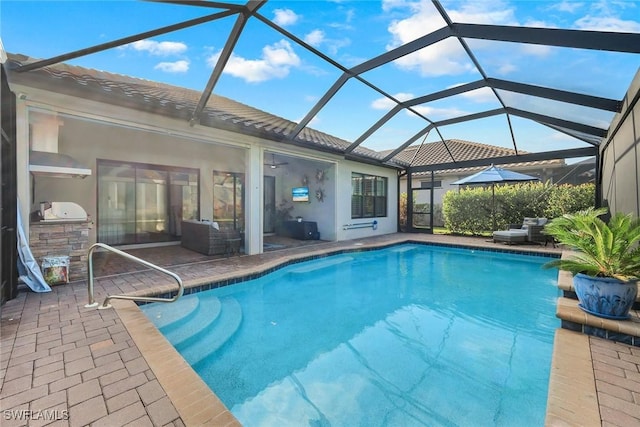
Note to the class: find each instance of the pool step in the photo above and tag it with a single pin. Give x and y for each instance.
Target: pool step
(575, 319)
(163, 315)
(216, 334)
(209, 308)
(319, 264)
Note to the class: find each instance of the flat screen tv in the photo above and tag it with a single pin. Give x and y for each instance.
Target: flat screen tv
(300, 194)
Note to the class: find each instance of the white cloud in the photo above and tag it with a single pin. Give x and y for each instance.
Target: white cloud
(284, 17)
(479, 12)
(435, 113)
(482, 95)
(607, 23)
(386, 104)
(276, 62)
(538, 24)
(536, 50)
(567, 6)
(158, 48)
(446, 57)
(606, 16)
(173, 67)
(506, 68)
(388, 5)
(315, 38)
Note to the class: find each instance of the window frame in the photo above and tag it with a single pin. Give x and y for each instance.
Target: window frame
(369, 196)
(136, 236)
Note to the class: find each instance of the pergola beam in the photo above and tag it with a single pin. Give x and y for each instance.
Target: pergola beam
(520, 158)
(405, 49)
(374, 128)
(543, 119)
(527, 89)
(319, 105)
(123, 41)
(408, 142)
(251, 7)
(557, 95)
(580, 39)
(202, 3)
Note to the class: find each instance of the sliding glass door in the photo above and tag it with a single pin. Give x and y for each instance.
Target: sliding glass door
(228, 199)
(140, 203)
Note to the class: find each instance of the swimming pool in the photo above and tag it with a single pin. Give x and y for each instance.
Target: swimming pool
(408, 335)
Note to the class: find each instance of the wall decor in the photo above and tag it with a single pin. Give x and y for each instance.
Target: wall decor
(320, 176)
(320, 195)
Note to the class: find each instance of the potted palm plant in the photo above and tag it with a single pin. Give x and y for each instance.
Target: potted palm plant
(606, 264)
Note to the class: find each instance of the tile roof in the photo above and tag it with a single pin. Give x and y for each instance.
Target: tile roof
(434, 153)
(159, 98)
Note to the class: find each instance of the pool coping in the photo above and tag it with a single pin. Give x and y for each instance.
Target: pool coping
(190, 395)
(197, 404)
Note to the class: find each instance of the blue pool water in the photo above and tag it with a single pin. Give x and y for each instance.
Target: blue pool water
(403, 336)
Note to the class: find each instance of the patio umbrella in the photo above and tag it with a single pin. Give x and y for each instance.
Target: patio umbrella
(494, 175)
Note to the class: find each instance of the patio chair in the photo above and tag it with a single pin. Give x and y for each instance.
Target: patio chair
(209, 238)
(530, 231)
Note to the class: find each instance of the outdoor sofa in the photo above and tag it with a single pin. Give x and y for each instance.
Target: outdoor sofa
(530, 231)
(210, 238)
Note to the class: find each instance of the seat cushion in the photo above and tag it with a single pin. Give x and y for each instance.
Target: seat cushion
(510, 236)
(512, 232)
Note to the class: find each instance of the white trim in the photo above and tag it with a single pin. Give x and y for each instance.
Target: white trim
(58, 170)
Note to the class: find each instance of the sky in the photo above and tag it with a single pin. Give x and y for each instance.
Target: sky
(274, 73)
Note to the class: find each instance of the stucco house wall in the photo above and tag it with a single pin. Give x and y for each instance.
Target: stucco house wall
(345, 224)
(91, 130)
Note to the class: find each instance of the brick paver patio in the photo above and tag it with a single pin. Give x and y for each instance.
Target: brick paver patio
(66, 365)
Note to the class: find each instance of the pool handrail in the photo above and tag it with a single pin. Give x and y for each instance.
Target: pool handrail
(105, 304)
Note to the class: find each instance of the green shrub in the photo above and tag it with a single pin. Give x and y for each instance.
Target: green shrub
(568, 199)
(469, 210)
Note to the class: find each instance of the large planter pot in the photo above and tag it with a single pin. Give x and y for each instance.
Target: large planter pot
(605, 296)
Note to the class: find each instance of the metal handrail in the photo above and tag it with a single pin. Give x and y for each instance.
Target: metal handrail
(105, 304)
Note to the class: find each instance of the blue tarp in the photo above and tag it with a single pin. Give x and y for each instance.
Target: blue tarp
(28, 269)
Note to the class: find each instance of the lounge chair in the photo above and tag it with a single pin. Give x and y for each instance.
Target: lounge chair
(530, 231)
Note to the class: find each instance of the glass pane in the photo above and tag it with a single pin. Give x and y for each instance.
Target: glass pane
(381, 199)
(183, 199)
(228, 199)
(381, 186)
(356, 198)
(152, 220)
(116, 204)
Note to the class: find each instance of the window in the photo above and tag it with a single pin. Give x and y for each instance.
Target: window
(368, 196)
(427, 184)
(140, 203)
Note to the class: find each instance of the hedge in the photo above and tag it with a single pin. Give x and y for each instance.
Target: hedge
(469, 210)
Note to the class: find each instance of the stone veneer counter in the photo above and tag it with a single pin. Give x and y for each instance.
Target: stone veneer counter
(62, 238)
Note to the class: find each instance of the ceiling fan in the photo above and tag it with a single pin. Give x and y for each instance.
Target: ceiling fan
(274, 164)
